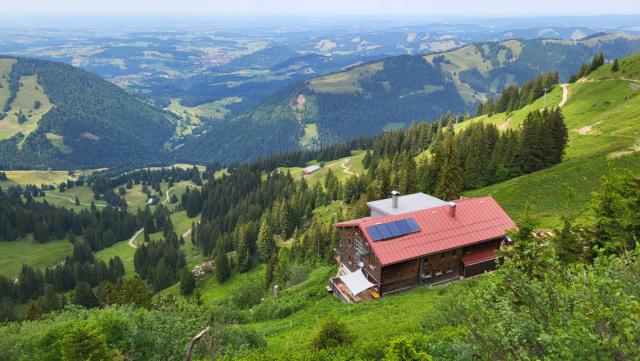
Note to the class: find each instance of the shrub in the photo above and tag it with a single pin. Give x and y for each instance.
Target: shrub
(403, 348)
(333, 332)
(248, 295)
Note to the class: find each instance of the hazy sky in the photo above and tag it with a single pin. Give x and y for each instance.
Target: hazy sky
(318, 7)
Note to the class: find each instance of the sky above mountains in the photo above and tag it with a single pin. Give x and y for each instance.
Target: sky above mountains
(325, 7)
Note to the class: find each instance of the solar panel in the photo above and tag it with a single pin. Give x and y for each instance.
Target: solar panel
(404, 227)
(373, 233)
(384, 231)
(412, 225)
(393, 229)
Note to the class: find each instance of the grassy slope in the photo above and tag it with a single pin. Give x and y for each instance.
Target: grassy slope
(353, 164)
(15, 254)
(604, 127)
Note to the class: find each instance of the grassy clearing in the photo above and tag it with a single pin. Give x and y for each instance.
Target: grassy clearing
(340, 167)
(310, 135)
(37, 177)
(67, 198)
(345, 82)
(15, 254)
(122, 250)
(29, 93)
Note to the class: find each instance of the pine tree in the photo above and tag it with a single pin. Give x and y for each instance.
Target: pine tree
(7, 310)
(223, 270)
(615, 67)
(30, 284)
(163, 275)
(266, 244)
(187, 283)
(449, 183)
(132, 290)
(50, 301)
(83, 295)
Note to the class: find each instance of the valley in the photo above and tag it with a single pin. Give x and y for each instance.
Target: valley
(215, 189)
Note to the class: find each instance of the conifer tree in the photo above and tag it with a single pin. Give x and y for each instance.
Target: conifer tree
(164, 275)
(449, 184)
(223, 270)
(615, 67)
(266, 244)
(187, 283)
(50, 300)
(83, 296)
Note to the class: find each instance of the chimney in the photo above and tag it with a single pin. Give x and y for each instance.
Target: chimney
(394, 199)
(452, 209)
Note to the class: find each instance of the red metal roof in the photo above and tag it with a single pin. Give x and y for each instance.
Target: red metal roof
(478, 257)
(476, 220)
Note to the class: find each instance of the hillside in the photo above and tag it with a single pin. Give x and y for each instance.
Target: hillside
(57, 116)
(381, 95)
(604, 129)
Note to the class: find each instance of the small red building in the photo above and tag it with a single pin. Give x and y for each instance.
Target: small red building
(429, 246)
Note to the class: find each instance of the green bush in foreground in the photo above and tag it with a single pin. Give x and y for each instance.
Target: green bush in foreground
(332, 333)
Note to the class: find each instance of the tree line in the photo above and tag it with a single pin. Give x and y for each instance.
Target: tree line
(514, 97)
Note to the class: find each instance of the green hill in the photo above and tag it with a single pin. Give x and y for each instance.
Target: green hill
(604, 128)
(56, 115)
(391, 93)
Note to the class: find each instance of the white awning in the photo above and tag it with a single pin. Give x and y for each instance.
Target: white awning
(356, 282)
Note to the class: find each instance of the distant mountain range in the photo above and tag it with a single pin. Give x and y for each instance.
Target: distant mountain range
(380, 95)
(56, 115)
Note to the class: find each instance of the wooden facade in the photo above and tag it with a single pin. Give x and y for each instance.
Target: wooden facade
(428, 269)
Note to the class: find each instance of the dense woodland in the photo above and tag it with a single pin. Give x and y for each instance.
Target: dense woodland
(100, 122)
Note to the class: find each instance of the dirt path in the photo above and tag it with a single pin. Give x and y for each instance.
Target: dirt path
(73, 200)
(133, 238)
(346, 169)
(565, 95)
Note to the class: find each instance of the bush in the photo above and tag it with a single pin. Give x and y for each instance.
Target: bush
(332, 333)
(231, 341)
(403, 348)
(248, 295)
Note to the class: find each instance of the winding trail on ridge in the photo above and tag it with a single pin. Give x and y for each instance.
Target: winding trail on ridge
(133, 238)
(72, 200)
(346, 169)
(167, 198)
(565, 95)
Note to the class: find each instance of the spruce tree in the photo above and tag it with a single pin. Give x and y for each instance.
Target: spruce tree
(83, 296)
(163, 275)
(615, 67)
(187, 282)
(449, 184)
(223, 270)
(266, 244)
(50, 301)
